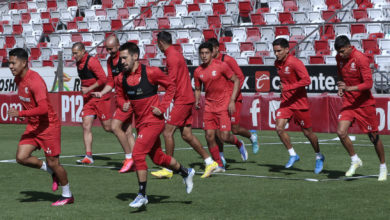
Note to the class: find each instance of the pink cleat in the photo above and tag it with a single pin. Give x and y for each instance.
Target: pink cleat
(54, 187)
(127, 165)
(63, 201)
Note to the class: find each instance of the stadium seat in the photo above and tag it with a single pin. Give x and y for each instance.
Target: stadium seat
(345, 16)
(232, 8)
(242, 61)
(228, 20)
(327, 16)
(376, 35)
(269, 61)
(330, 60)
(139, 23)
(253, 35)
(271, 18)
(374, 28)
(321, 47)
(306, 46)
(384, 45)
(257, 19)
(364, 4)
(318, 5)
(285, 18)
(169, 10)
(45, 53)
(358, 28)
(370, 46)
(246, 46)
(35, 53)
(192, 8)
(48, 28)
(9, 41)
(106, 4)
(261, 46)
(317, 60)
(245, 7)
(255, 60)
(327, 32)
(116, 24)
(300, 17)
(360, 14)
(51, 5)
(267, 34)
(282, 30)
(315, 17)
(209, 33)
(16, 18)
(275, 6)
(333, 4)
(201, 22)
(342, 29)
(219, 8)
(17, 29)
(112, 13)
(375, 14)
(214, 22)
(239, 34)
(290, 5)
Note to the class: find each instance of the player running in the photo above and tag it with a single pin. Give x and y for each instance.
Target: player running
(93, 79)
(138, 91)
(43, 129)
(181, 114)
(220, 100)
(294, 77)
(121, 121)
(354, 85)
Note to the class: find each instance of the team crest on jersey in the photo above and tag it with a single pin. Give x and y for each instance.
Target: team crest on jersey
(353, 66)
(103, 116)
(26, 90)
(214, 73)
(233, 119)
(369, 127)
(201, 76)
(278, 114)
(223, 126)
(302, 123)
(139, 136)
(48, 151)
(287, 70)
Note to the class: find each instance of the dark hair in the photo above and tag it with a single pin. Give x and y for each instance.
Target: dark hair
(213, 41)
(20, 53)
(131, 47)
(79, 46)
(341, 41)
(206, 45)
(281, 42)
(165, 37)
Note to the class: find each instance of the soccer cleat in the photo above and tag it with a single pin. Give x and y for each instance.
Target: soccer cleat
(139, 201)
(243, 152)
(219, 170)
(292, 160)
(209, 169)
(63, 201)
(255, 145)
(188, 180)
(55, 184)
(353, 167)
(128, 163)
(163, 173)
(222, 159)
(85, 160)
(319, 164)
(382, 174)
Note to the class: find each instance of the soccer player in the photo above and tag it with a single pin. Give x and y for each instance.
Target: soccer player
(121, 121)
(43, 129)
(220, 99)
(93, 79)
(138, 91)
(294, 77)
(355, 82)
(181, 114)
(235, 118)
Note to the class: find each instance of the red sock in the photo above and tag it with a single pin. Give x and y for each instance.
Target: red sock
(214, 151)
(236, 142)
(89, 154)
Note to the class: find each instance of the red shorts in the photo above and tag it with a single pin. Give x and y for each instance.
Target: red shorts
(49, 140)
(148, 143)
(365, 117)
(302, 117)
(181, 115)
(235, 118)
(216, 120)
(125, 117)
(99, 108)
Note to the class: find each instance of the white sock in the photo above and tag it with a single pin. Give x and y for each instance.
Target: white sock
(129, 156)
(354, 158)
(382, 166)
(46, 168)
(66, 191)
(318, 155)
(253, 138)
(168, 170)
(292, 152)
(208, 161)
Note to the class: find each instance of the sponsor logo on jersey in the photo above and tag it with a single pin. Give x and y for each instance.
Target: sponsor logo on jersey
(214, 73)
(26, 90)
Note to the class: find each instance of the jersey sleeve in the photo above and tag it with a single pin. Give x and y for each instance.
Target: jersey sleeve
(110, 79)
(303, 77)
(157, 77)
(232, 63)
(120, 95)
(196, 79)
(363, 65)
(41, 109)
(97, 69)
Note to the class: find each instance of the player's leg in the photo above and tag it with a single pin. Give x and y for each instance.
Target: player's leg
(342, 133)
(106, 124)
(87, 135)
(220, 147)
(117, 129)
(186, 134)
(320, 158)
(285, 138)
(24, 157)
(213, 148)
(54, 163)
(228, 137)
(374, 138)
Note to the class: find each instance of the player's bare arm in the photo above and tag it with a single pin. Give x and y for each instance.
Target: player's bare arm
(236, 87)
(197, 98)
(106, 90)
(85, 90)
(13, 112)
(126, 106)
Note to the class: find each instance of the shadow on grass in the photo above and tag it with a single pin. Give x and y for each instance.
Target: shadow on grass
(281, 169)
(117, 165)
(151, 199)
(34, 196)
(334, 174)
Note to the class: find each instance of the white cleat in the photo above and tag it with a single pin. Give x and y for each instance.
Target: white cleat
(188, 180)
(382, 174)
(139, 201)
(354, 165)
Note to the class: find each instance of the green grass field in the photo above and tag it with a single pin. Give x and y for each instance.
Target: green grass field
(260, 188)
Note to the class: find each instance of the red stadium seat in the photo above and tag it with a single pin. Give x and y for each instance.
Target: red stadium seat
(48, 28)
(147, 12)
(129, 3)
(139, 22)
(22, 5)
(101, 12)
(26, 17)
(47, 63)
(150, 49)
(370, 46)
(245, 7)
(79, 18)
(225, 39)
(35, 53)
(17, 29)
(219, 8)
(163, 23)
(3, 52)
(290, 5)
(282, 30)
(327, 14)
(333, 4)
(102, 50)
(77, 37)
(322, 47)
(182, 40)
(45, 15)
(317, 60)
(255, 60)
(292, 45)
(264, 53)
(360, 14)
(257, 19)
(123, 13)
(246, 46)
(72, 25)
(327, 32)
(209, 33)
(42, 44)
(214, 21)
(72, 3)
(363, 4)
(51, 5)
(169, 10)
(376, 35)
(253, 35)
(192, 7)
(358, 28)
(106, 4)
(285, 18)
(222, 47)
(116, 24)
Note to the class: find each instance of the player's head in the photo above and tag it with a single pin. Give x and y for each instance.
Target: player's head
(343, 46)
(281, 48)
(206, 52)
(78, 51)
(215, 43)
(129, 54)
(112, 45)
(18, 61)
(164, 40)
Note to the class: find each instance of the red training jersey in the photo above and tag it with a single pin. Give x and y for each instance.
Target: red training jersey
(110, 76)
(294, 77)
(232, 63)
(355, 71)
(215, 77)
(179, 74)
(143, 107)
(100, 76)
(31, 91)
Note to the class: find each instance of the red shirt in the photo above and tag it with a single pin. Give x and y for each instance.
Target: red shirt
(215, 77)
(232, 63)
(355, 71)
(143, 107)
(110, 77)
(95, 66)
(294, 77)
(31, 91)
(179, 74)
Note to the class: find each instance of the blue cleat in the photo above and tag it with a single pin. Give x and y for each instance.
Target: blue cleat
(222, 159)
(292, 160)
(243, 151)
(255, 145)
(319, 165)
